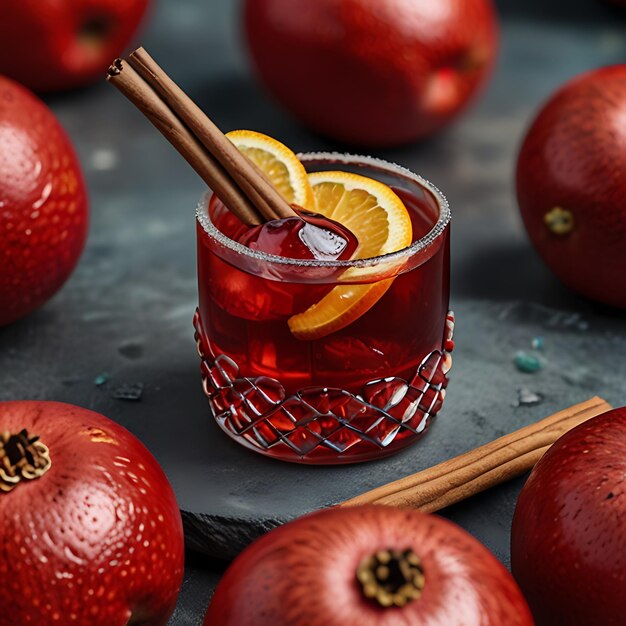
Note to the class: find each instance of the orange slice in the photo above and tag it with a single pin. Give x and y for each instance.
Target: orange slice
(381, 223)
(279, 163)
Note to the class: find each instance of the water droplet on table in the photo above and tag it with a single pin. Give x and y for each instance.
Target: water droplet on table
(131, 349)
(581, 377)
(129, 391)
(527, 397)
(104, 159)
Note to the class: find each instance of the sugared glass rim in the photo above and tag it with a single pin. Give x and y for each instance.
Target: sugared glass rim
(352, 160)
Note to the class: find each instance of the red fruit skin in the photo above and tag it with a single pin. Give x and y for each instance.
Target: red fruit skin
(304, 574)
(568, 544)
(373, 72)
(43, 203)
(50, 45)
(574, 157)
(97, 540)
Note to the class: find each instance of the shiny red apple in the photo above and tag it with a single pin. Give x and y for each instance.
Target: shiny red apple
(367, 566)
(568, 545)
(43, 203)
(373, 72)
(50, 45)
(571, 186)
(90, 533)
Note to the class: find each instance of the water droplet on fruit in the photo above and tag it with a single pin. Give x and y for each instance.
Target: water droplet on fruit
(45, 194)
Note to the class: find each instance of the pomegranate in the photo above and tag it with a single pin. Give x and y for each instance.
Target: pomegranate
(49, 45)
(373, 72)
(568, 544)
(43, 203)
(90, 533)
(571, 186)
(367, 566)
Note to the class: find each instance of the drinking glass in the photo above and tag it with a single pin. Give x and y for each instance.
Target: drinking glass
(364, 391)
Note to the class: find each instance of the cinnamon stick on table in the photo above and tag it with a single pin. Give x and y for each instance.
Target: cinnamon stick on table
(240, 184)
(486, 466)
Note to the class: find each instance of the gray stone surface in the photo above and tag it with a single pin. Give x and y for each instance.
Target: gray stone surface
(127, 309)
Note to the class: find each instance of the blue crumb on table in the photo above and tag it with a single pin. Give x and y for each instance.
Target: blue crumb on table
(527, 363)
(537, 343)
(101, 379)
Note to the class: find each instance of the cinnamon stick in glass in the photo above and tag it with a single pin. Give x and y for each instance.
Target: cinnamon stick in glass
(253, 183)
(484, 467)
(133, 86)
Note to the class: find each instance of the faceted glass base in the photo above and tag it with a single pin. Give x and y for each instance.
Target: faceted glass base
(324, 425)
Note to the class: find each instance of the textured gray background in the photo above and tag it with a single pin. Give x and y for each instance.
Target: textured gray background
(127, 309)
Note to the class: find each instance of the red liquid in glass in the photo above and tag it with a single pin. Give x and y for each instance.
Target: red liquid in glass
(244, 316)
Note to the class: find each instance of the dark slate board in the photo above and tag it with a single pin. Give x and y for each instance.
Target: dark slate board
(127, 309)
(201, 577)
(245, 495)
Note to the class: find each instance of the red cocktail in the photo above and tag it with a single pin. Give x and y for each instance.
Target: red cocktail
(284, 384)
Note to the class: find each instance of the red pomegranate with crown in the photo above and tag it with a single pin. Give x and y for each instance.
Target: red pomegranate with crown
(90, 533)
(371, 566)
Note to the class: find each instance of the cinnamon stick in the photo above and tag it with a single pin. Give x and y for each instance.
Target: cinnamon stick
(255, 185)
(133, 86)
(489, 465)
